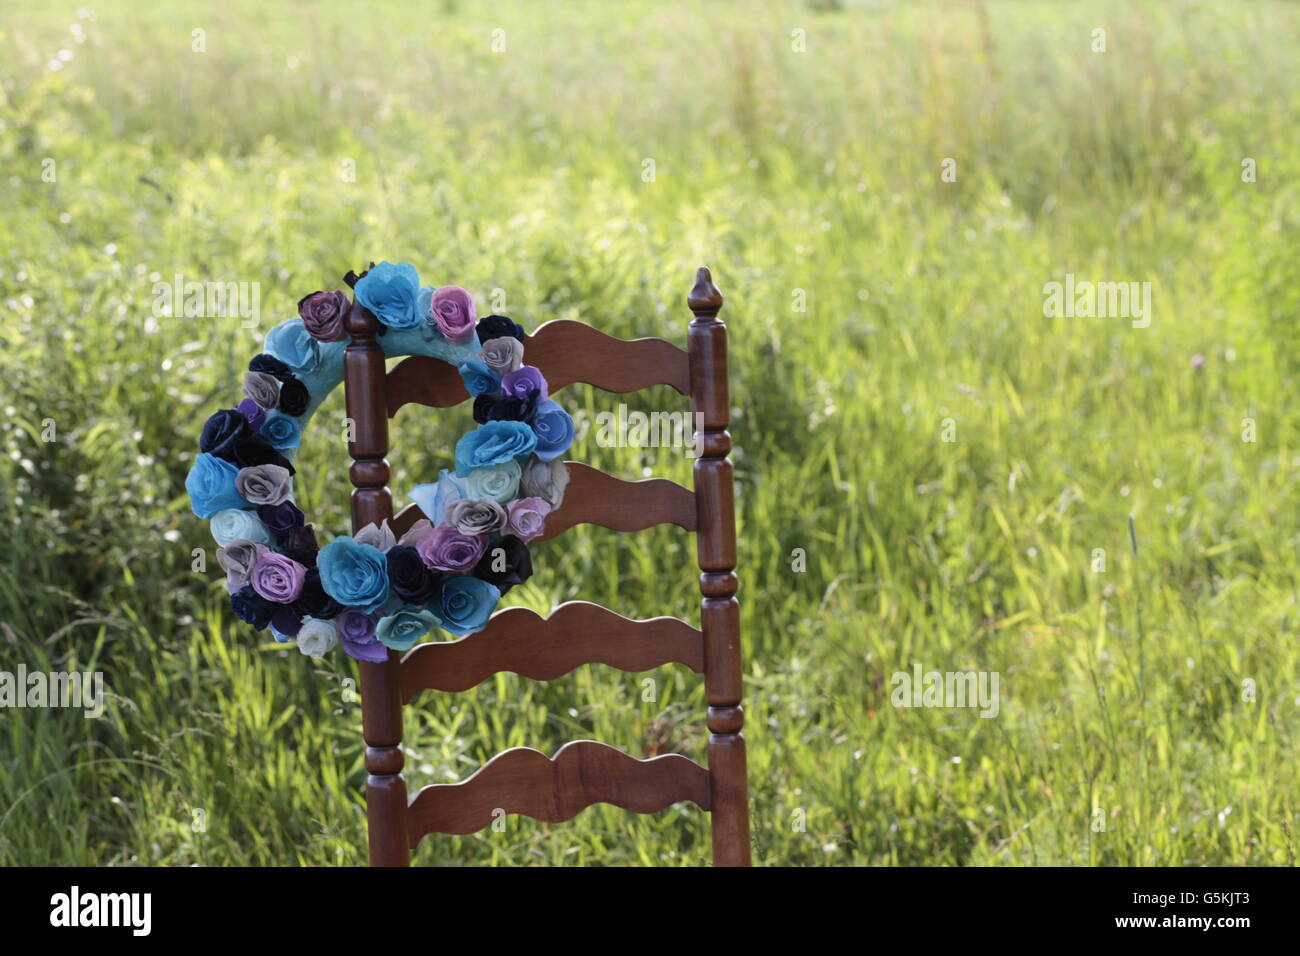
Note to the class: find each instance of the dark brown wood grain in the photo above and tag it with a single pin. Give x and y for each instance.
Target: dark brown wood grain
(594, 497)
(544, 648)
(565, 352)
(583, 772)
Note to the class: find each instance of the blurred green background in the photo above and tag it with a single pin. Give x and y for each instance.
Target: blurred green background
(1149, 711)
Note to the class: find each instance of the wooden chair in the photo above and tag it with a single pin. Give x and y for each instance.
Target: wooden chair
(584, 772)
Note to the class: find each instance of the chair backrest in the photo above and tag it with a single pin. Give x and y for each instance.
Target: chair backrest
(584, 772)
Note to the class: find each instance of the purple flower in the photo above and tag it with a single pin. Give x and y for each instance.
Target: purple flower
(221, 431)
(251, 608)
(323, 314)
(277, 578)
(523, 381)
(280, 518)
(526, 517)
(453, 313)
(253, 412)
(446, 549)
(357, 633)
(286, 621)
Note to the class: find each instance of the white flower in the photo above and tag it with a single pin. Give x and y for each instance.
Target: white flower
(317, 638)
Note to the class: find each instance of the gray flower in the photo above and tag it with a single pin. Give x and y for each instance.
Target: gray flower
(237, 560)
(545, 480)
(262, 388)
(264, 484)
(421, 529)
(376, 536)
(502, 355)
(475, 516)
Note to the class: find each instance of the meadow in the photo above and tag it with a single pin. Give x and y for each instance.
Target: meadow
(931, 472)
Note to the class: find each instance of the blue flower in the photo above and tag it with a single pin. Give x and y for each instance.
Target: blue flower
(234, 524)
(433, 498)
(554, 430)
(479, 379)
(391, 292)
(282, 431)
(292, 345)
(492, 444)
(355, 575)
(401, 630)
(465, 604)
(211, 484)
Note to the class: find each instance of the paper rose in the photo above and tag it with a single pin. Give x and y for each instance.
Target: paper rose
(251, 608)
(265, 362)
(400, 631)
(410, 579)
(263, 388)
(475, 516)
(355, 575)
(526, 517)
(280, 518)
(313, 601)
(523, 381)
(446, 549)
(294, 398)
(290, 343)
(237, 559)
(495, 326)
(253, 412)
(277, 578)
(433, 498)
(211, 486)
(378, 536)
(316, 638)
(282, 431)
(500, 482)
(464, 605)
(356, 630)
(390, 291)
(478, 378)
(285, 623)
(546, 480)
(492, 444)
(232, 524)
(505, 564)
(453, 313)
(554, 430)
(322, 315)
(503, 354)
(222, 431)
(421, 529)
(263, 484)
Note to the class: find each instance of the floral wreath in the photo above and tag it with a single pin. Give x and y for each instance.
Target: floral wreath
(371, 592)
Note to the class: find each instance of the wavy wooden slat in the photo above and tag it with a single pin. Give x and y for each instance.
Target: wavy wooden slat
(584, 772)
(566, 352)
(594, 497)
(544, 648)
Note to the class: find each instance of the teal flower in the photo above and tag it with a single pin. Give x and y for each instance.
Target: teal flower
(355, 575)
(493, 444)
(400, 631)
(211, 484)
(465, 604)
(292, 345)
(282, 431)
(391, 292)
(478, 378)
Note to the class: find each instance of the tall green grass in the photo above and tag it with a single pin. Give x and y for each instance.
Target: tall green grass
(1124, 734)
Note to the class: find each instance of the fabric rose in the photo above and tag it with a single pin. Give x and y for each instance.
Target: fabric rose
(290, 343)
(432, 498)
(505, 564)
(323, 313)
(282, 431)
(390, 291)
(271, 366)
(482, 405)
(222, 431)
(523, 381)
(495, 326)
(421, 529)
(500, 482)
(253, 412)
(492, 444)
(355, 575)
(285, 623)
(264, 484)
(251, 608)
(478, 378)
(410, 580)
(313, 601)
(475, 516)
(277, 578)
(464, 605)
(512, 409)
(502, 355)
(280, 518)
(526, 517)
(446, 549)
(554, 430)
(262, 388)
(299, 544)
(402, 629)
(316, 638)
(232, 524)
(237, 559)
(377, 536)
(453, 313)
(254, 450)
(211, 486)
(294, 397)
(356, 630)
(545, 479)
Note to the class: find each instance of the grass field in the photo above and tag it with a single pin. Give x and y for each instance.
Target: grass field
(1149, 712)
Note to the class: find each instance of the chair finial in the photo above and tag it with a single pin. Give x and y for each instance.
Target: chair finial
(705, 299)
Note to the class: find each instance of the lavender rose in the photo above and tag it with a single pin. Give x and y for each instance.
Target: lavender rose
(356, 630)
(502, 355)
(264, 484)
(526, 517)
(277, 578)
(453, 313)
(323, 314)
(523, 381)
(475, 516)
(446, 549)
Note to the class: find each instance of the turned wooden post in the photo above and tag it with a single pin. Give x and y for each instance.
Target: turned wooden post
(381, 702)
(716, 545)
